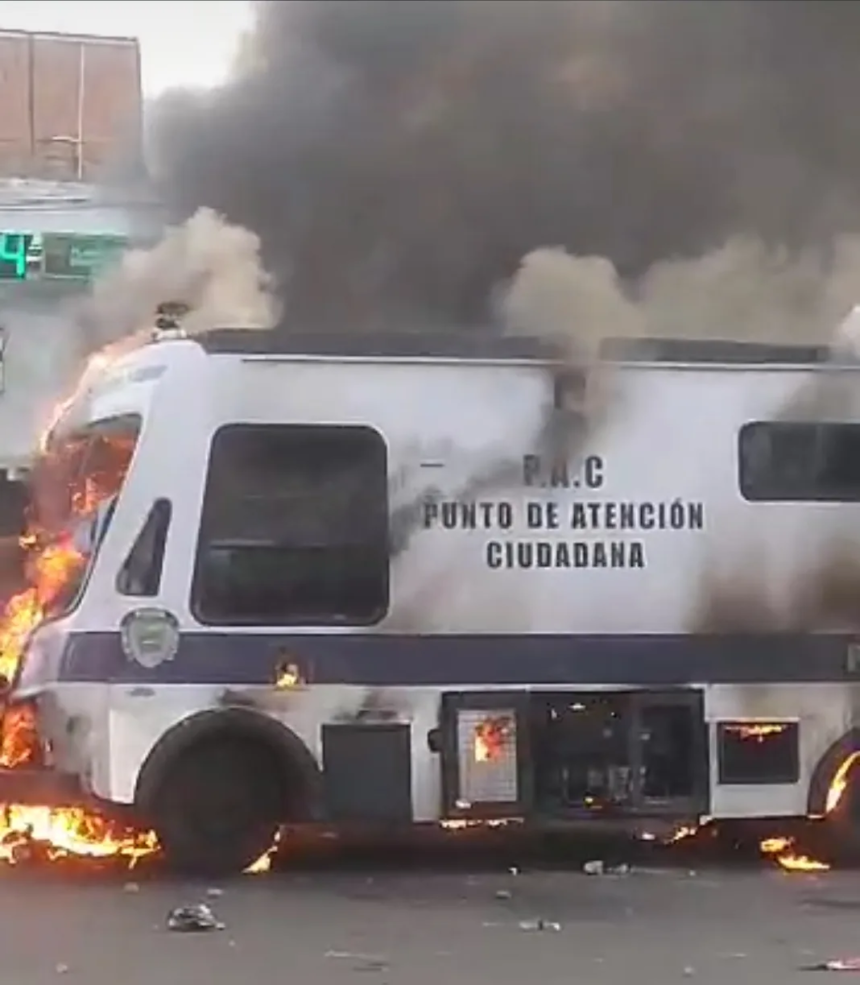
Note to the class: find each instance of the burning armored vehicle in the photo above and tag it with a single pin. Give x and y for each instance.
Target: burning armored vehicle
(402, 580)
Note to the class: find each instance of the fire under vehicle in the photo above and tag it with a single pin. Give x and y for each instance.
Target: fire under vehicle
(402, 580)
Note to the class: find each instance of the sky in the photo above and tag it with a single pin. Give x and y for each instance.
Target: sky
(183, 42)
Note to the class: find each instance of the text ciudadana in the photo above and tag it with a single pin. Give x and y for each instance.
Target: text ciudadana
(552, 530)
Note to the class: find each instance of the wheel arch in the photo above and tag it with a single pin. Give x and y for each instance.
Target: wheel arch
(825, 771)
(298, 768)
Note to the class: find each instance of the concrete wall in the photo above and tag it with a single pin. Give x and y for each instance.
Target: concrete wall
(72, 104)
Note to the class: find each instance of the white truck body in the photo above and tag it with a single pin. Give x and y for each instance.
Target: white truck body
(638, 568)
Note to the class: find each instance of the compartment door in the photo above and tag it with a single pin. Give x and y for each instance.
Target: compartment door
(669, 753)
(486, 756)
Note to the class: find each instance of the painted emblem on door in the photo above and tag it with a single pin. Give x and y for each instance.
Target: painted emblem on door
(150, 637)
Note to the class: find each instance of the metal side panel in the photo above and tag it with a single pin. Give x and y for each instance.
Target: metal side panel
(367, 770)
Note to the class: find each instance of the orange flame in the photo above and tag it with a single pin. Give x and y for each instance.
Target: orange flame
(801, 863)
(839, 785)
(682, 833)
(50, 834)
(758, 731)
(782, 850)
(52, 563)
(490, 736)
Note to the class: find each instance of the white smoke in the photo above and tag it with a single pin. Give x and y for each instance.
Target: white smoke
(208, 264)
(745, 290)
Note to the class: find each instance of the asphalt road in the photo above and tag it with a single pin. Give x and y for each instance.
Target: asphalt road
(431, 924)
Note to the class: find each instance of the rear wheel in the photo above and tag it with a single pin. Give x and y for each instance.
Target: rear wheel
(843, 824)
(217, 808)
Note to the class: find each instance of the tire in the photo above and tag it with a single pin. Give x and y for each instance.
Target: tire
(217, 808)
(843, 825)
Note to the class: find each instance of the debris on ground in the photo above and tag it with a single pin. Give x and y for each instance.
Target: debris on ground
(371, 964)
(597, 867)
(539, 924)
(131, 887)
(213, 892)
(503, 894)
(363, 962)
(193, 919)
(837, 964)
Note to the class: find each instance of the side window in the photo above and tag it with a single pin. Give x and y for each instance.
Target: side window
(799, 462)
(294, 528)
(140, 574)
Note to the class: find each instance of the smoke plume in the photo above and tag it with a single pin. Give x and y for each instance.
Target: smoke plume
(206, 263)
(399, 159)
(572, 169)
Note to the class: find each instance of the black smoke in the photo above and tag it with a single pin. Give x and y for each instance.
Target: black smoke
(398, 159)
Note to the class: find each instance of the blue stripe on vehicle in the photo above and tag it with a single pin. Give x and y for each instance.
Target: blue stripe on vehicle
(387, 660)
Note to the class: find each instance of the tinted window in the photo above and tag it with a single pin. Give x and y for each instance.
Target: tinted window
(758, 753)
(140, 575)
(81, 469)
(73, 488)
(294, 527)
(799, 462)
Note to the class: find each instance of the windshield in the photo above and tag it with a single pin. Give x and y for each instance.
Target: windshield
(73, 491)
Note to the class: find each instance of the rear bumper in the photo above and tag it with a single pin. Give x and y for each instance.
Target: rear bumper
(40, 787)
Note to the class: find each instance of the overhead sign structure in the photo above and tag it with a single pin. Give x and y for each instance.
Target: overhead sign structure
(57, 256)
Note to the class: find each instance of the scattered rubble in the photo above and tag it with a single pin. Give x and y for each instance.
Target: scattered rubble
(597, 867)
(836, 964)
(539, 924)
(362, 962)
(196, 918)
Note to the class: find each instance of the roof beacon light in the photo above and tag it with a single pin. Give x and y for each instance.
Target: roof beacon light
(168, 321)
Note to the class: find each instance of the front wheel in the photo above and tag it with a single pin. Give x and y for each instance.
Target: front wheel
(216, 810)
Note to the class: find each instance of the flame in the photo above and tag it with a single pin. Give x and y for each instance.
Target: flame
(469, 823)
(483, 750)
(839, 785)
(782, 849)
(774, 846)
(52, 564)
(289, 677)
(801, 863)
(264, 862)
(19, 743)
(681, 834)
(58, 833)
(758, 731)
(490, 736)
